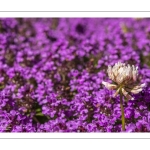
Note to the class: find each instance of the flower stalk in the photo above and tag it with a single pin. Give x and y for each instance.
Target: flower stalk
(122, 112)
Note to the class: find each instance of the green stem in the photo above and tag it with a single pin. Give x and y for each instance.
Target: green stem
(122, 112)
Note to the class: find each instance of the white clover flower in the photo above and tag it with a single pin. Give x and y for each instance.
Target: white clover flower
(124, 79)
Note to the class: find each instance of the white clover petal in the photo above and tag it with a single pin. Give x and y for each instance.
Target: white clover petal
(126, 94)
(143, 85)
(119, 79)
(138, 88)
(117, 92)
(109, 86)
(136, 91)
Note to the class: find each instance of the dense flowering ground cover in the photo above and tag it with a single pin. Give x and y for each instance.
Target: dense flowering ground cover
(51, 73)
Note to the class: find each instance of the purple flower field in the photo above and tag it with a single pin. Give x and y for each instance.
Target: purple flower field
(52, 69)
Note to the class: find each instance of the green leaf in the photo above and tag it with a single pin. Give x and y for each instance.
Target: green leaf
(39, 114)
(38, 110)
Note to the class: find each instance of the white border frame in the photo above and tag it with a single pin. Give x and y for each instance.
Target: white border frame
(74, 135)
(75, 14)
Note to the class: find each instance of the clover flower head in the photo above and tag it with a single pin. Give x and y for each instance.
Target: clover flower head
(125, 79)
